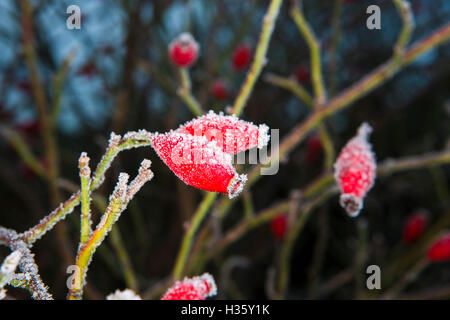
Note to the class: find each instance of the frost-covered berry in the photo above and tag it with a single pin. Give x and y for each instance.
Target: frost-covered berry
(229, 133)
(355, 171)
(198, 162)
(219, 90)
(241, 57)
(278, 226)
(414, 226)
(183, 50)
(439, 251)
(196, 288)
(301, 74)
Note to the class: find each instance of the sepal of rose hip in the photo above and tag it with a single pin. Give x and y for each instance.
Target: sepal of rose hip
(241, 57)
(439, 250)
(415, 225)
(183, 50)
(196, 288)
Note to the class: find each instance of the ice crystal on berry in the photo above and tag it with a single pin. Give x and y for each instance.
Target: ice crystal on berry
(183, 50)
(355, 171)
(230, 134)
(196, 288)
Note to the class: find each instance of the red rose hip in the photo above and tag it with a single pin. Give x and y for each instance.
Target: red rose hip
(241, 57)
(355, 171)
(439, 251)
(414, 226)
(183, 50)
(197, 288)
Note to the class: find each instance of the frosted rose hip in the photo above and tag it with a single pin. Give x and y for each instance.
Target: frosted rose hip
(197, 288)
(355, 171)
(183, 50)
(229, 133)
(198, 162)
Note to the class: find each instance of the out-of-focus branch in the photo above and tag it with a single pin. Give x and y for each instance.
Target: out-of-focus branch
(334, 46)
(194, 224)
(184, 92)
(314, 51)
(259, 59)
(58, 83)
(292, 86)
(404, 9)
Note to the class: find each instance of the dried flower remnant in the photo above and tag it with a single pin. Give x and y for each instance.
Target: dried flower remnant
(230, 134)
(355, 171)
(196, 288)
(439, 251)
(198, 162)
(183, 50)
(414, 226)
(126, 294)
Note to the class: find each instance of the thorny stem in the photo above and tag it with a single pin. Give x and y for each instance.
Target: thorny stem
(185, 92)
(314, 51)
(194, 224)
(259, 61)
(85, 177)
(116, 145)
(118, 201)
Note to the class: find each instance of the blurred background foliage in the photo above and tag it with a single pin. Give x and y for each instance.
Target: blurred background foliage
(121, 79)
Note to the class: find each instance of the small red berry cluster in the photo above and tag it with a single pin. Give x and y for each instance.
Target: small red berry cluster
(355, 171)
(197, 288)
(200, 151)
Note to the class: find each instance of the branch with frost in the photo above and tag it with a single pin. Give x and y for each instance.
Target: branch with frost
(123, 193)
(116, 145)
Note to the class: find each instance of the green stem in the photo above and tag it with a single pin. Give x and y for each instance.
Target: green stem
(185, 93)
(292, 86)
(314, 51)
(259, 60)
(186, 244)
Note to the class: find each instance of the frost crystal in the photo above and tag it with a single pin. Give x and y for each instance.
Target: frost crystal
(196, 288)
(230, 134)
(126, 294)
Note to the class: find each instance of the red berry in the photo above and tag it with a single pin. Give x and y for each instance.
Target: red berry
(183, 50)
(29, 128)
(219, 90)
(89, 69)
(440, 249)
(198, 162)
(24, 86)
(278, 226)
(229, 133)
(414, 226)
(302, 74)
(355, 171)
(313, 149)
(241, 57)
(197, 288)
